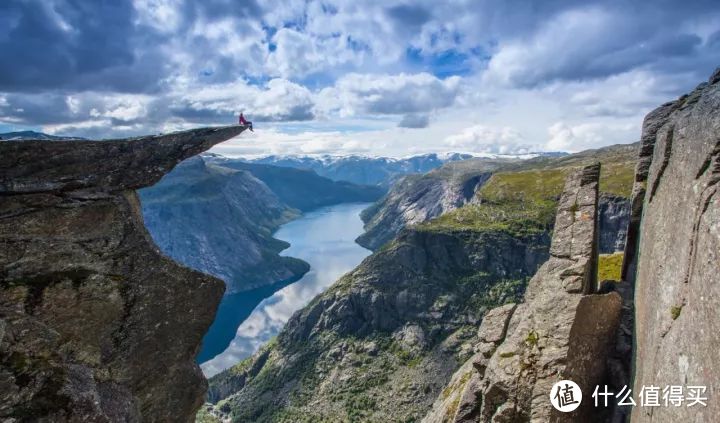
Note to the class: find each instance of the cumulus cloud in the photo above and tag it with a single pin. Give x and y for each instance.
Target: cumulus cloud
(146, 66)
(593, 42)
(389, 94)
(298, 54)
(278, 100)
(485, 139)
(565, 137)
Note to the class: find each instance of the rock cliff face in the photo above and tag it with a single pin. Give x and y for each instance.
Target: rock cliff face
(220, 221)
(383, 342)
(673, 252)
(96, 324)
(419, 198)
(560, 331)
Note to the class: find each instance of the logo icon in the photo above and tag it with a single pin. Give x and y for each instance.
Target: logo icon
(565, 396)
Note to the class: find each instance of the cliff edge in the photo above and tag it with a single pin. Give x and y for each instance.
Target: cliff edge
(95, 323)
(673, 252)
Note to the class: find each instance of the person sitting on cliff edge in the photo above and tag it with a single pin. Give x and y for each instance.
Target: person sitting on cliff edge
(245, 122)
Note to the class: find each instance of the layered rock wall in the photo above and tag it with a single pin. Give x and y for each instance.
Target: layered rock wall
(95, 324)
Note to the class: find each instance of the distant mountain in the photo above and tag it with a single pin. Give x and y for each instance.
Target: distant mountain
(418, 198)
(220, 221)
(363, 170)
(33, 135)
(217, 215)
(382, 171)
(302, 189)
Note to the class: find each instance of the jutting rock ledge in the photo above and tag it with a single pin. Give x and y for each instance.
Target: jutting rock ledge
(95, 323)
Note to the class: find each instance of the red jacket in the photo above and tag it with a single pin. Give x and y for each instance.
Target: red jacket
(242, 120)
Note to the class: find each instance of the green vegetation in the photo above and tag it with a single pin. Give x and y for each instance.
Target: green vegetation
(617, 178)
(520, 203)
(452, 408)
(675, 312)
(204, 416)
(532, 339)
(490, 290)
(455, 387)
(523, 201)
(610, 267)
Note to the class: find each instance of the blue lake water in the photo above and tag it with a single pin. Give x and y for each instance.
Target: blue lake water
(325, 238)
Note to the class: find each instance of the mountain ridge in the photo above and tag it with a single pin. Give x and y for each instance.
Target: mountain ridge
(217, 215)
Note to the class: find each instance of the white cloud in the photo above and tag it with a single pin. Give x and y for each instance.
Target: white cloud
(389, 94)
(163, 15)
(484, 139)
(279, 99)
(298, 54)
(573, 138)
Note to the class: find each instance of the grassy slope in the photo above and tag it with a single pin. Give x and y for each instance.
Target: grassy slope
(522, 200)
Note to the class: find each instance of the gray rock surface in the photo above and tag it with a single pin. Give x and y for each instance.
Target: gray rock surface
(560, 331)
(676, 229)
(97, 324)
(494, 323)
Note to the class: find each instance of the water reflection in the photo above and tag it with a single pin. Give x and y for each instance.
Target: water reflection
(326, 240)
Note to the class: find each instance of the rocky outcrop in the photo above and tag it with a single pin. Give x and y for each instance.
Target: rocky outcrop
(562, 330)
(96, 324)
(673, 252)
(419, 198)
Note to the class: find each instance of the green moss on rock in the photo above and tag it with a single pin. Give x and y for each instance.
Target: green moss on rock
(610, 266)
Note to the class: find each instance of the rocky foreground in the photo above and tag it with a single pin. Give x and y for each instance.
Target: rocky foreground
(665, 305)
(562, 329)
(96, 324)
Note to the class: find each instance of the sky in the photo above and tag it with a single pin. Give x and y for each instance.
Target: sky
(391, 78)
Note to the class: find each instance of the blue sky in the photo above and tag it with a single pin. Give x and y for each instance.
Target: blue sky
(367, 77)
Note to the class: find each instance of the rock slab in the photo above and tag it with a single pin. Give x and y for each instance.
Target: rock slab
(95, 323)
(677, 235)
